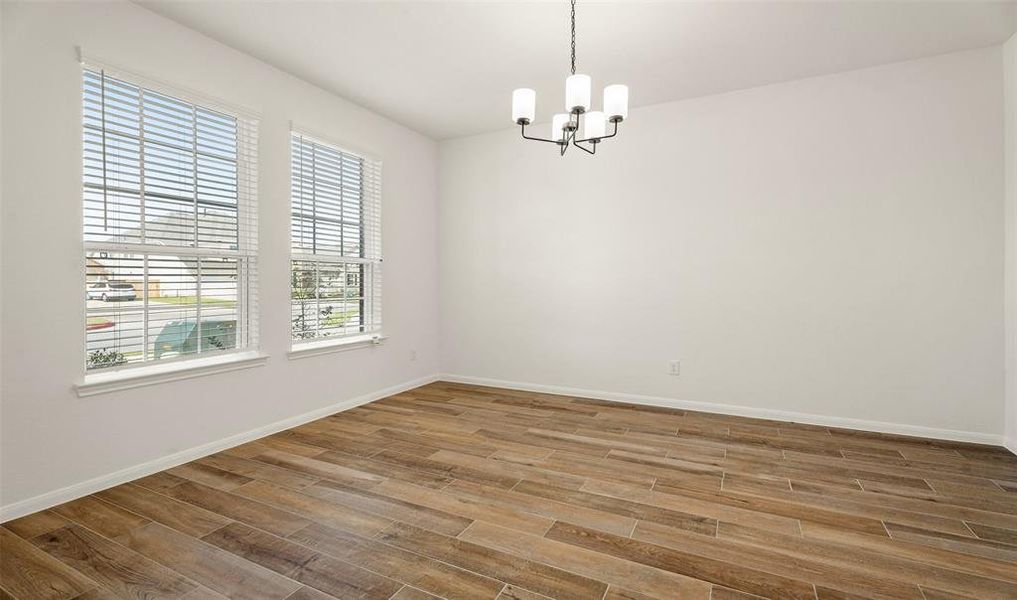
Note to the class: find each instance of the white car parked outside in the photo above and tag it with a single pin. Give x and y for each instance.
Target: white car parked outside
(111, 290)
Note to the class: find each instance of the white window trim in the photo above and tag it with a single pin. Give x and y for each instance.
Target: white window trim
(328, 346)
(315, 347)
(151, 374)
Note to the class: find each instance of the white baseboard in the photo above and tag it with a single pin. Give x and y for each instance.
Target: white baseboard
(742, 411)
(1011, 445)
(72, 492)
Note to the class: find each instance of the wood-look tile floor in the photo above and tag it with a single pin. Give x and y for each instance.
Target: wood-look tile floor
(454, 491)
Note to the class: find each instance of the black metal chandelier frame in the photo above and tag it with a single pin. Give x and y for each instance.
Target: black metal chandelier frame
(571, 128)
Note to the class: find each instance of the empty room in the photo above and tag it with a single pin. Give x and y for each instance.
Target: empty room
(508, 300)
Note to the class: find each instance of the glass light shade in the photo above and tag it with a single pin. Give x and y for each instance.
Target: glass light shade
(558, 122)
(594, 125)
(616, 101)
(577, 92)
(524, 105)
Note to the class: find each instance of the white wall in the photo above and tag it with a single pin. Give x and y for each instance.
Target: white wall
(831, 247)
(50, 437)
(1010, 77)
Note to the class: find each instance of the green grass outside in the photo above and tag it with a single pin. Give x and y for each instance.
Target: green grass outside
(339, 319)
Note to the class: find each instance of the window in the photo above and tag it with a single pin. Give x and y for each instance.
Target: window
(335, 230)
(169, 226)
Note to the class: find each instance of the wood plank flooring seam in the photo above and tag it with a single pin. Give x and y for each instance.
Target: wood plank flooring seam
(342, 560)
(485, 575)
(114, 541)
(238, 556)
(430, 558)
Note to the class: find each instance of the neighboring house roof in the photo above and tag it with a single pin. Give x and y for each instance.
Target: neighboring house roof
(215, 229)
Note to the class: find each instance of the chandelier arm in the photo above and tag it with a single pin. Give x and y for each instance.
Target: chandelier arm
(569, 138)
(536, 139)
(577, 144)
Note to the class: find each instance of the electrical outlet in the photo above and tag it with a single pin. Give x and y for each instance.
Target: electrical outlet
(413, 355)
(674, 368)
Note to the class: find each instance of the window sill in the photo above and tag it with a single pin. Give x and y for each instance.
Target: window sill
(101, 383)
(308, 349)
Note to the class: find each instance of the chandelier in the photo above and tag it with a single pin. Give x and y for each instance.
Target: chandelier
(565, 129)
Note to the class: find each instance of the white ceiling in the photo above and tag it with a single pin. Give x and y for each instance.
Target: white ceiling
(447, 69)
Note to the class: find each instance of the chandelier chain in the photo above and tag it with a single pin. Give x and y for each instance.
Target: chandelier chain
(573, 37)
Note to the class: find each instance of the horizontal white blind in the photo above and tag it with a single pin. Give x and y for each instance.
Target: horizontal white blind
(335, 234)
(170, 225)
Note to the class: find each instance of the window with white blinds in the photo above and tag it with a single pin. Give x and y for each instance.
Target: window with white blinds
(335, 229)
(170, 226)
